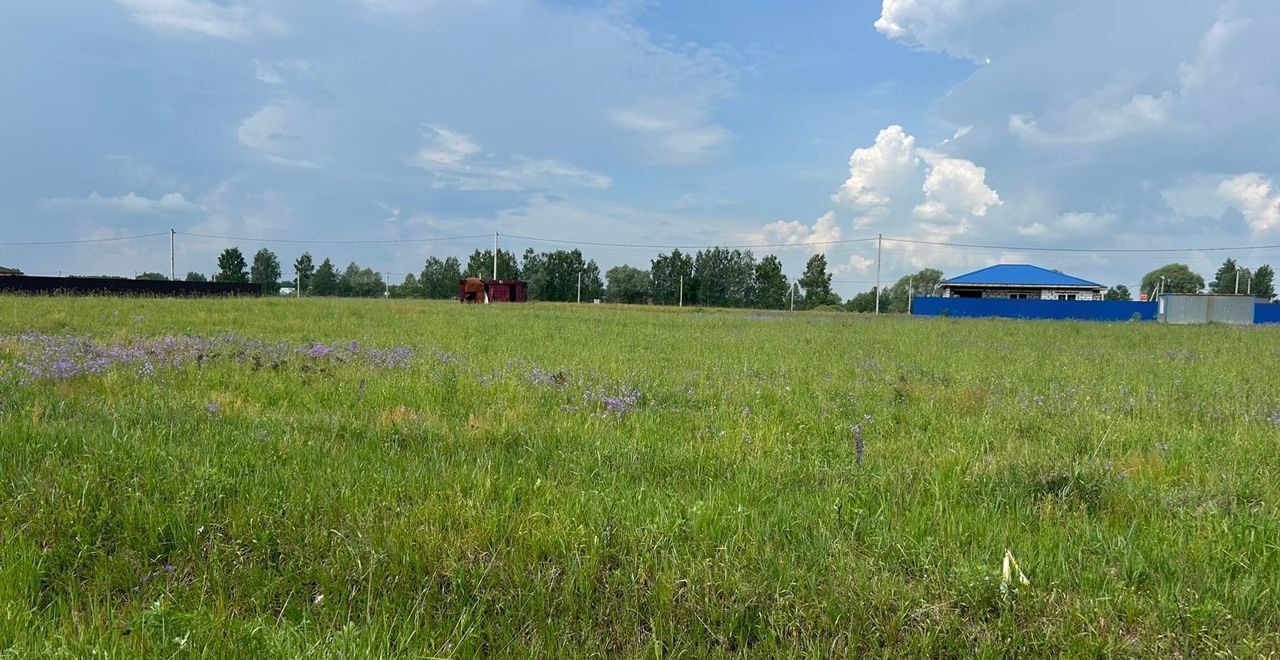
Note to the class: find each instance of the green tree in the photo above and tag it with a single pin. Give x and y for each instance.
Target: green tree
(896, 298)
(627, 284)
(1224, 281)
(864, 302)
(816, 283)
(407, 289)
(156, 277)
(439, 279)
(481, 264)
(1118, 293)
(193, 276)
(304, 269)
(266, 270)
(1264, 285)
(771, 289)
(554, 275)
(1178, 278)
(665, 274)
(357, 282)
(325, 281)
(232, 266)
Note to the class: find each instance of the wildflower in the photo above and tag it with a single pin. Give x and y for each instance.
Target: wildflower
(212, 408)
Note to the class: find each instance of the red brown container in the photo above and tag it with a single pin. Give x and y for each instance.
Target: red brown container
(500, 290)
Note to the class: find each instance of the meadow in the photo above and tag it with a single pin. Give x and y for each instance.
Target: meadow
(284, 478)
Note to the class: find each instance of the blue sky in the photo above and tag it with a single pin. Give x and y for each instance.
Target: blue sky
(1025, 124)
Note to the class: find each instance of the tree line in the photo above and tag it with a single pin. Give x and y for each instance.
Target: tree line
(715, 277)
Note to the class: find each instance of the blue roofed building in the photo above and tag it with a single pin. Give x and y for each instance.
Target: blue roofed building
(1020, 282)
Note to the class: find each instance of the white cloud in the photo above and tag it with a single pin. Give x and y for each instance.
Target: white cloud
(1070, 224)
(283, 132)
(281, 72)
(1096, 119)
(128, 203)
(894, 178)
(819, 236)
(878, 172)
(855, 264)
(943, 25)
(1257, 197)
(954, 187)
(671, 139)
(202, 17)
(455, 160)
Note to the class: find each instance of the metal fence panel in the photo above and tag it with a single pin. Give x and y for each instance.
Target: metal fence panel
(1084, 310)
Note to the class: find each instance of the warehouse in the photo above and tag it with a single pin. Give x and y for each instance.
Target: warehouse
(1020, 282)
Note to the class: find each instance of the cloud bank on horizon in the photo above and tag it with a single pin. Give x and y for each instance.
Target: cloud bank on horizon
(1089, 124)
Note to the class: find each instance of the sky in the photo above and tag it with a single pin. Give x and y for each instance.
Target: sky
(1022, 124)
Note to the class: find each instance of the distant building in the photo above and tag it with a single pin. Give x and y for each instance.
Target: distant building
(286, 290)
(1020, 282)
(9, 271)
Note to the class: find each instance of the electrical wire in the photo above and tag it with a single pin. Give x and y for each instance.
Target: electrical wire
(299, 241)
(83, 240)
(686, 247)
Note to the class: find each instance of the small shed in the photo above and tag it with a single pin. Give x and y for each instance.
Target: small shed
(1187, 309)
(1020, 282)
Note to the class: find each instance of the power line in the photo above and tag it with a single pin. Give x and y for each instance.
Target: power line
(298, 241)
(685, 247)
(1091, 250)
(83, 240)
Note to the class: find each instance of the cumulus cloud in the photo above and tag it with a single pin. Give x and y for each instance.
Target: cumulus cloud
(1096, 131)
(200, 17)
(894, 176)
(879, 172)
(1257, 197)
(127, 203)
(959, 27)
(819, 236)
(954, 188)
(455, 160)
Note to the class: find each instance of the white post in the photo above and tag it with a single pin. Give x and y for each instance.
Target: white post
(1237, 281)
(793, 296)
(911, 292)
(495, 255)
(579, 287)
(879, 249)
(682, 290)
(173, 273)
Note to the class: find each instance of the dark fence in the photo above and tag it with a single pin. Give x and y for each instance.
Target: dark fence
(117, 287)
(1083, 310)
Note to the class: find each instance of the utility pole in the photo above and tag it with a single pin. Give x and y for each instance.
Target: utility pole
(911, 292)
(495, 255)
(793, 296)
(879, 251)
(297, 276)
(173, 273)
(682, 290)
(579, 287)
(1237, 281)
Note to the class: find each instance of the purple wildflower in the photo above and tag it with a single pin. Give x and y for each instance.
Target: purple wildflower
(858, 445)
(212, 407)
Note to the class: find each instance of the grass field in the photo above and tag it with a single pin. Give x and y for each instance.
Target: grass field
(593, 481)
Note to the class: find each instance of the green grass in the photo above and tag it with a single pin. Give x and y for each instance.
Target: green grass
(457, 508)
